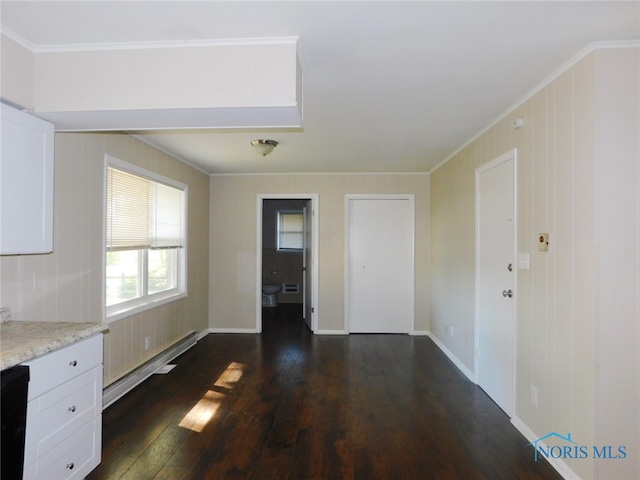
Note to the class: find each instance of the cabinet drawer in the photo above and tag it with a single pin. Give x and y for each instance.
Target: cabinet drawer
(72, 459)
(57, 414)
(56, 368)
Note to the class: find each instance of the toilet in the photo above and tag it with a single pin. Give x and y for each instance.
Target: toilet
(269, 293)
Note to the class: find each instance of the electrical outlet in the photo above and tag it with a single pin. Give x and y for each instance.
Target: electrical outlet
(451, 332)
(146, 344)
(534, 396)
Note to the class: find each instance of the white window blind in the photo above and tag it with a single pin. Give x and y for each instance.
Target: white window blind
(290, 230)
(142, 213)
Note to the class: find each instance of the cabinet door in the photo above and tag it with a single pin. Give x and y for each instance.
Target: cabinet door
(26, 183)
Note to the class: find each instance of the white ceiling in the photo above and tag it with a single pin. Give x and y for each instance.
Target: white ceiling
(389, 86)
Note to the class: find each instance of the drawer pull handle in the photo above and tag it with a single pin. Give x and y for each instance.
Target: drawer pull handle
(70, 466)
(73, 363)
(72, 408)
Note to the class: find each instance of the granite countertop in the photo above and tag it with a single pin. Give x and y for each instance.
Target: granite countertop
(24, 341)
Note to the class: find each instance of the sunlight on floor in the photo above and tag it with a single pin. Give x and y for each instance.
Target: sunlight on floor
(230, 376)
(203, 411)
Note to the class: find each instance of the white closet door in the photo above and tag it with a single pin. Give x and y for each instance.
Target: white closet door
(380, 266)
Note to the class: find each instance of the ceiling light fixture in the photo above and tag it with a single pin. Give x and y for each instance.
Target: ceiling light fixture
(264, 147)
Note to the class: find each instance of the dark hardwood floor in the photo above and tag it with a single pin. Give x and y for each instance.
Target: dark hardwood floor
(286, 404)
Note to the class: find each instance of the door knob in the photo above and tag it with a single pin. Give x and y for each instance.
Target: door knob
(510, 267)
(507, 293)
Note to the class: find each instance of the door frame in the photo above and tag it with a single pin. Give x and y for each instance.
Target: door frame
(347, 258)
(511, 155)
(315, 204)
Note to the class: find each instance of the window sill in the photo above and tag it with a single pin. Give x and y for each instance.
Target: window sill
(119, 312)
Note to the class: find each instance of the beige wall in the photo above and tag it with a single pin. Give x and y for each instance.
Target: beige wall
(67, 285)
(578, 336)
(233, 241)
(618, 282)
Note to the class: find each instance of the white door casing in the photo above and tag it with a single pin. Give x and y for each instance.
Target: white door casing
(380, 263)
(496, 279)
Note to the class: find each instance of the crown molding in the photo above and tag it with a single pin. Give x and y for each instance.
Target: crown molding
(111, 46)
(160, 148)
(317, 174)
(20, 40)
(557, 73)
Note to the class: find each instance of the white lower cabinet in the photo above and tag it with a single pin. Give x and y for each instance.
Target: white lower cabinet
(64, 412)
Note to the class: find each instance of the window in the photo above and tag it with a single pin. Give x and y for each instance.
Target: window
(145, 238)
(290, 230)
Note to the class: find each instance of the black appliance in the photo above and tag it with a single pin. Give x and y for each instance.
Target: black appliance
(13, 415)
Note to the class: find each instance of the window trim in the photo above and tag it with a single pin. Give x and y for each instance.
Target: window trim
(121, 310)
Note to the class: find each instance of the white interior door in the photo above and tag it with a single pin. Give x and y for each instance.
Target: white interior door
(380, 265)
(495, 288)
(307, 265)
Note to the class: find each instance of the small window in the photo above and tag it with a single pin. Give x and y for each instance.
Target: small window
(145, 238)
(290, 230)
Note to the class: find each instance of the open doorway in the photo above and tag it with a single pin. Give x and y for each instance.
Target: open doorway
(287, 256)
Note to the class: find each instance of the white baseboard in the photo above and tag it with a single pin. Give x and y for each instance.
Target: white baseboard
(456, 361)
(330, 332)
(127, 383)
(420, 333)
(561, 467)
(232, 330)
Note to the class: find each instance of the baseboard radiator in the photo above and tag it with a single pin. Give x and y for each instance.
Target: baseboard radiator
(290, 288)
(127, 383)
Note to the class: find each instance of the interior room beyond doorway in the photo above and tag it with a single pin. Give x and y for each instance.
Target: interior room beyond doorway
(282, 250)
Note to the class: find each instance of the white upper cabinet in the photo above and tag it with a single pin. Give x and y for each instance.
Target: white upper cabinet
(26, 183)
